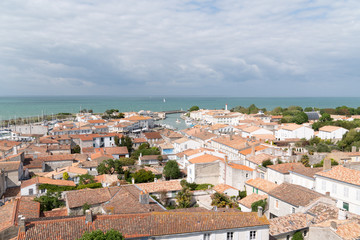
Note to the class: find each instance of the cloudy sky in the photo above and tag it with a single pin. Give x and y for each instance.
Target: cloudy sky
(178, 47)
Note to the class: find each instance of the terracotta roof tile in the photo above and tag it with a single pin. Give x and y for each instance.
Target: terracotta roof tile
(262, 184)
(221, 188)
(43, 180)
(143, 224)
(206, 158)
(240, 167)
(159, 186)
(248, 200)
(289, 223)
(286, 192)
(343, 174)
(284, 168)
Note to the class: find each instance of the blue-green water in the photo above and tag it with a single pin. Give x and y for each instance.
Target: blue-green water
(33, 106)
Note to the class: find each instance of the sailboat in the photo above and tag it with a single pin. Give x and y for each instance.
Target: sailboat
(178, 121)
(164, 100)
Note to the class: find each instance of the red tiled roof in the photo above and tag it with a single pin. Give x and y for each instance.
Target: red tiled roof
(240, 167)
(43, 180)
(152, 135)
(143, 224)
(284, 168)
(343, 174)
(262, 184)
(248, 200)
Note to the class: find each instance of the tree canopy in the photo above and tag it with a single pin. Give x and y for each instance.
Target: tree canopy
(143, 176)
(194, 108)
(172, 170)
(100, 235)
(49, 201)
(183, 198)
(110, 166)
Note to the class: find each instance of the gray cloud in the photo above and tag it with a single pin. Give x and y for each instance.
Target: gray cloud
(205, 47)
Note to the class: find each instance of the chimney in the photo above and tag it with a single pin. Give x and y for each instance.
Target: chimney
(260, 211)
(327, 164)
(5, 144)
(155, 179)
(140, 154)
(342, 214)
(253, 150)
(133, 180)
(327, 194)
(353, 149)
(333, 225)
(144, 197)
(22, 223)
(88, 216)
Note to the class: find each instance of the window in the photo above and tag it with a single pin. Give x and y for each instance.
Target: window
(323, 186)
(305, 232)
(42, 190)
(206, 236)
(292, 210)
(346, 206)
(346, 192)
(247, 175)
(230, 236)
(334, 188)
(252, 235)
(277, 204)
(31, 191)
(287, 237)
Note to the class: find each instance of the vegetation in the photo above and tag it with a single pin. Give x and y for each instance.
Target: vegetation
(339, 123)
(126, 142)
(255, 205)
(266, 163)
(143, 176)
(145, 149)
(58, 189)
(100, 235)
(350, 139)
(183, 198)
(194, 108)
(320, 164)
(66, 176)
(127, 161)
(242, 194)
(221, 200)
(252, 109)
(316, 144)
(305, 160)
(194, 186)
(86, 178)
(172, 170)
(76, 149)
(298, 236)
(85, 207)
(110, 166)
(50, 201)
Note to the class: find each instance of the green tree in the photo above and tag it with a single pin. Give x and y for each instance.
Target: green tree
(49, 201)
(194, 108)
(127, 161)
(297, 236)
(183, 198)
(305, 160)
(100, 235)
(300, 118)
(142, 176)
(242, 194)
(172, 170)
(117, 141)
(127, 142)
(255, 205)
(351, 138)
(110, 166)
(221, 200)
(321, 164)
(325, 117)
(65, 176)
(76, 149)
(308, 109)
(86, 178)
(85, 207)
(266, 163)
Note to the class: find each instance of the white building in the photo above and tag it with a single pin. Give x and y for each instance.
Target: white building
(183, 144)
(331, 132)
(294, 131)
(343, 184)
(254, 130)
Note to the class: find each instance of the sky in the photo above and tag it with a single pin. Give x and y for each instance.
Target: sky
(262, 48)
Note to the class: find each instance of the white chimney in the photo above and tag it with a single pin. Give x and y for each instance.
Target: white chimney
(226, 107)
(133, 180)
(342, 214)
(260, 211)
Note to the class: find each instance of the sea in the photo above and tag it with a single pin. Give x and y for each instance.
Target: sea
(15, 107)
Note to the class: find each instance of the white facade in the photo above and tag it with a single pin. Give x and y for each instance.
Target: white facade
(249, 233)
(302, 180)
(336, 134)
(301, 132)
(277, 177)
(260, 131)
(346, 194)
(31, 190)
(189, 144)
